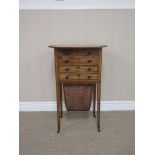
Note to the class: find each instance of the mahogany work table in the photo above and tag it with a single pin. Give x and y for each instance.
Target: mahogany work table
(78, 65)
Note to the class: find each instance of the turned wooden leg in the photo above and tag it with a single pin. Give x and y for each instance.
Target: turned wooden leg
(98, 105)
(94, 99)
(61, 114)
(58, 106)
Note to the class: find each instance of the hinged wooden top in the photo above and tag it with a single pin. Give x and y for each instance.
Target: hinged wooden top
(77, 46)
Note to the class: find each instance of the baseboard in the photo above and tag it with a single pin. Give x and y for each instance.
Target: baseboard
(51, 106)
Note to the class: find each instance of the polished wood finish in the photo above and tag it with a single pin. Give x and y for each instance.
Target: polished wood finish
(76, 64)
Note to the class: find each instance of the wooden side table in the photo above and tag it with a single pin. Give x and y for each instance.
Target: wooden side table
(78, 65)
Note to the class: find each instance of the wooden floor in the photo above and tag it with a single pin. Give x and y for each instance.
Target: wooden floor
(78, 135)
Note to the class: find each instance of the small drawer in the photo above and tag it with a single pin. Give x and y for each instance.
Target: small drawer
(91, 52)
(67, 69)
(88, 77)
(79, 69)
(77, 76)
(88, 60)
(68, 76)
(87, 69)
(79, 52)
(68, 60)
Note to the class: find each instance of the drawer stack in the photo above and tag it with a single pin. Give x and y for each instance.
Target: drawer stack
(78, 64)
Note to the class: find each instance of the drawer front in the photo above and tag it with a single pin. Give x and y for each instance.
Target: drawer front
(88, 69)
(79, 52)
(88, 60)
(68, 69)
(78, 60)
(68, 60)
(80, 69)
(88, 76)
(78, 76)
(68, 76)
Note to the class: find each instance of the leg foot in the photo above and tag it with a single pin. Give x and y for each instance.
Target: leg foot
(99, 129)
(61, 115)
(94, 115)
(58, 131)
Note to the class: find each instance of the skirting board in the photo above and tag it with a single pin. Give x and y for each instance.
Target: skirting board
(51, 106)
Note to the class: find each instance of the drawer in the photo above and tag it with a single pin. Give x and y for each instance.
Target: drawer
(68, 60)
(78, 76)
(68, 76)
(79, 52)
(80, 69)
(88, 76)
(68, 69)
(78, 60)
(88, 69)
(88, 60)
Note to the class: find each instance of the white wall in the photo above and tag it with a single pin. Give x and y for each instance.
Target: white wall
(76, 4)
(38, 29)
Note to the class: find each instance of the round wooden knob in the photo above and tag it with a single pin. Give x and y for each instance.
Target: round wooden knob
(67, 77)
(89, 69)
(89, 61)
(88, 53)
(89, 77)
(67, 69)
(66, 61)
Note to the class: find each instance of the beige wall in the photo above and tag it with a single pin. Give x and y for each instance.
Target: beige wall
(40, 28)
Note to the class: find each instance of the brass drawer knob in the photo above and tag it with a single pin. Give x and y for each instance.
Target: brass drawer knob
(89, 69)
(89, 77)
(89, 61)
(67, 77)
(67, 69)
